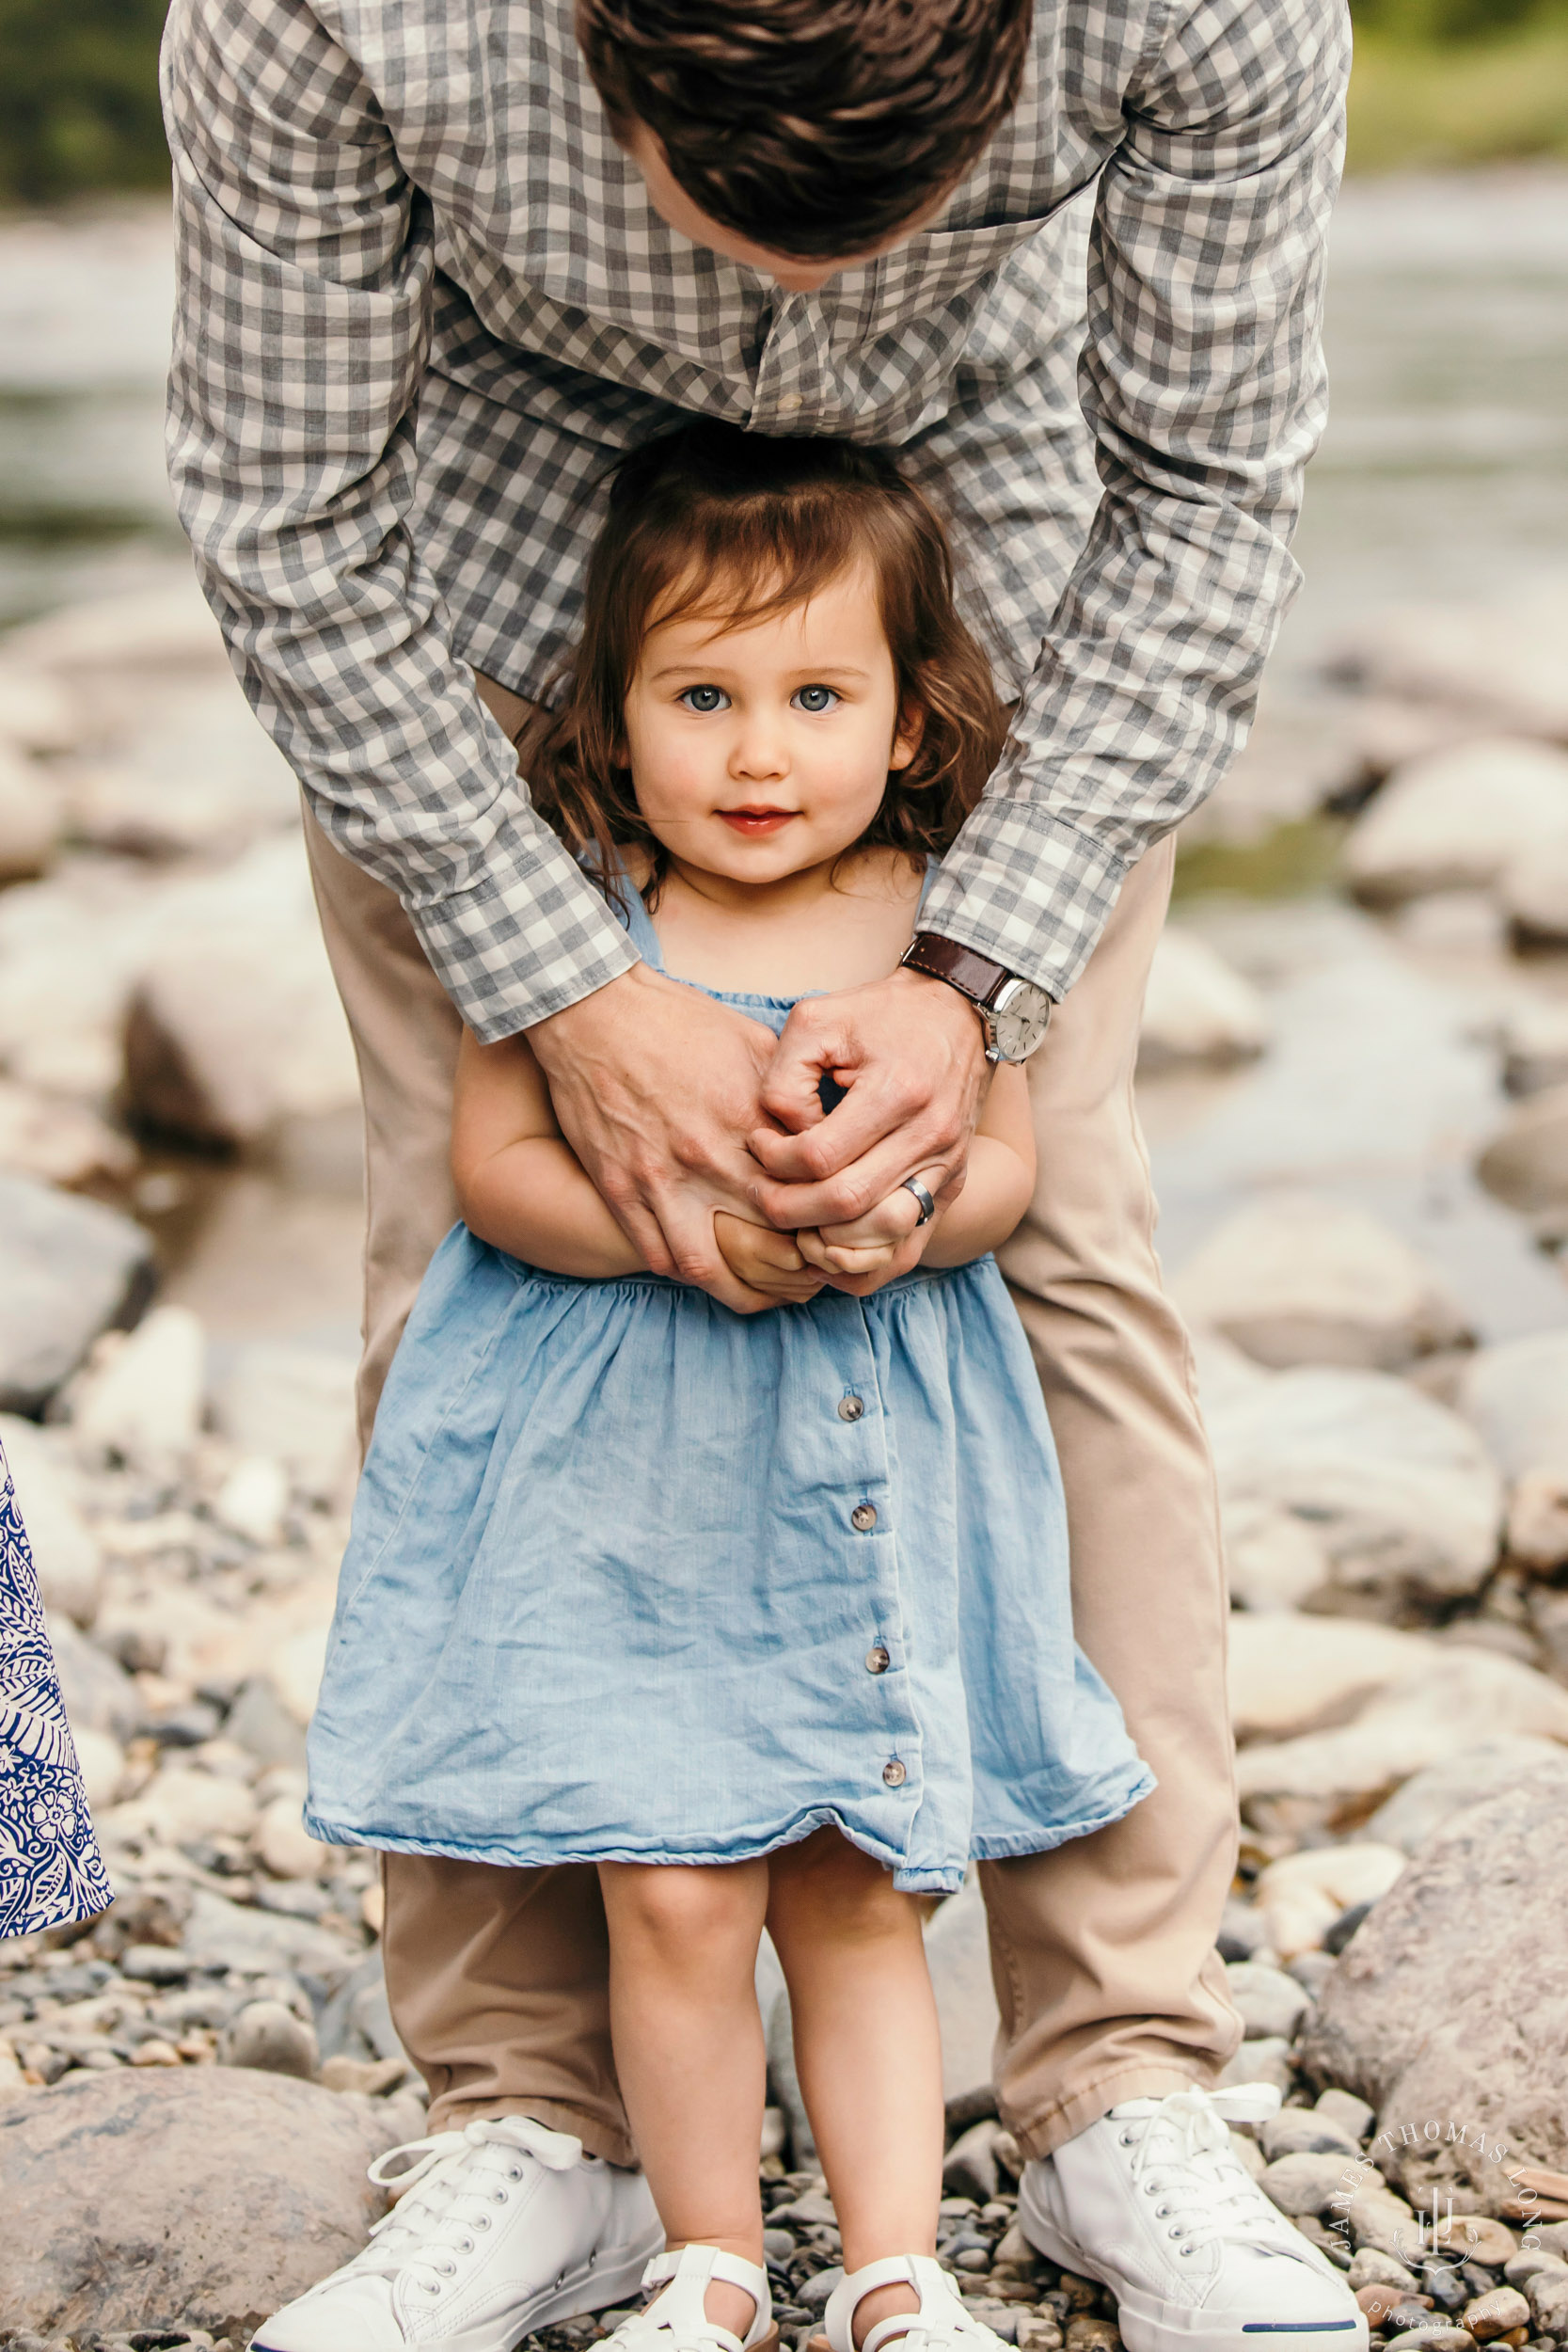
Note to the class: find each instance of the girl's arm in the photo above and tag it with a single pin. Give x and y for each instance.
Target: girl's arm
(519, 1184)
(886, 1242)
(1000, 1180)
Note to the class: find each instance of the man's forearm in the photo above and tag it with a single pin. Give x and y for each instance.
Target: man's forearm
(305, 268)
(1203, 383)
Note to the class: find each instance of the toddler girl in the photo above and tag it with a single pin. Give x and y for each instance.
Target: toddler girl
(764, 1615)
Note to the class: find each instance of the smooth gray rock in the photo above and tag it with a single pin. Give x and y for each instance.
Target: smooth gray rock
(970, 2169)
(1353, 2115)
(1430, 1798)
(357, 2022)
(260, 1723)
(1451, 2000)
(1269, 2002)
(1516, 1395)
(1265, 2060)
(99, 1694)
(69, 1269)
(1197, 1008)
(1303, 2132)
(1304, 2182)
(1458, 819)
(1534, 894)
(1296, 1278)
(221, 1934)
(1396, 1488)
(1526, 1163)
(272, 2040)
(208, 2195)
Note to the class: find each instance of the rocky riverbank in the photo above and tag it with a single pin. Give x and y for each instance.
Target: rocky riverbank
(1359, 1101)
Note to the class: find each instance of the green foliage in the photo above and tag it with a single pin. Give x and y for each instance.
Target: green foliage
(1431, 106)
(79, 98)
(1423, 24)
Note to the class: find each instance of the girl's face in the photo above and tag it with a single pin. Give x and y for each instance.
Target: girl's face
(759, 750)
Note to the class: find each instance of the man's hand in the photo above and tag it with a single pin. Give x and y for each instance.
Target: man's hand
(768, 1263)
(656, 1088)
(912, 1053)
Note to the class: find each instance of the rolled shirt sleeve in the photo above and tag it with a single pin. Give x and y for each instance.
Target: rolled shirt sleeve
(306, 267)
(1203, 383)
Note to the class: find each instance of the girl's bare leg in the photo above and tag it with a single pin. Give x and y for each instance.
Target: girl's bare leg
(867, 2050)
(690, 2052)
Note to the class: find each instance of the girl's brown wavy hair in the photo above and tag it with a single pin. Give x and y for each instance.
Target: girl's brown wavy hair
(712, 522)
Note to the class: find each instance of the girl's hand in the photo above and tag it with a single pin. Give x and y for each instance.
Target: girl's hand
(872, 1249)
(766, 1261)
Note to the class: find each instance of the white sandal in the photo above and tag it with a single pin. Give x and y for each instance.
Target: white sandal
(944, 2319)
(676, 2320)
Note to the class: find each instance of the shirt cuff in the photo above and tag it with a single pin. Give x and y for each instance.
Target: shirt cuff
(530, 937)
(1029, 890)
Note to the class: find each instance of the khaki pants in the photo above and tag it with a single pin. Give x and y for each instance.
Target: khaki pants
(1102, 1952)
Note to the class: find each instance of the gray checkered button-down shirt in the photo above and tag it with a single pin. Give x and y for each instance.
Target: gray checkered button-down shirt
(424, 299)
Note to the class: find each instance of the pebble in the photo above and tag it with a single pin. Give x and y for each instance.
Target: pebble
(270, 2038)
(1431, 2339)
(1308, 2132)
(1353, 2115)
(1496, 2313)
(1304, 2182)
(1268, 2001)
(283, 1843)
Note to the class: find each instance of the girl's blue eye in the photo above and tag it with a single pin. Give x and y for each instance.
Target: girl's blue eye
(813, 698)
(706, 698)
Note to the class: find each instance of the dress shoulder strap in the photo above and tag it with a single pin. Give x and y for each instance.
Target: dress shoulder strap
(632, 914)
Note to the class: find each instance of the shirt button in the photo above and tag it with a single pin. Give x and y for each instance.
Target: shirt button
(850, 1407)
(790, 404)
(878, 1661)
(864, 1518)
(893, 1773)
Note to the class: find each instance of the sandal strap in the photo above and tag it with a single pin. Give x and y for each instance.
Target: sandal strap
(920, 2271)
(679, 2317)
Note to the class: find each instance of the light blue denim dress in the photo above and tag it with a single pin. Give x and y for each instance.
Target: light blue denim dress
(632, 1578)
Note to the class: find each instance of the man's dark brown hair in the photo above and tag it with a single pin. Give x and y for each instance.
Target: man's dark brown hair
(812, 127)
(709, 521)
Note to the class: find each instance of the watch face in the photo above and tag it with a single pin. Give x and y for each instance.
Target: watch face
(1020, 1016)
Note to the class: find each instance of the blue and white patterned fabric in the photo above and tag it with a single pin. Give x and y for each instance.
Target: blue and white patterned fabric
(50, 1867)
(635, 1579)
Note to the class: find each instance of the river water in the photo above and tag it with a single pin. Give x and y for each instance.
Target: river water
(1444, 472)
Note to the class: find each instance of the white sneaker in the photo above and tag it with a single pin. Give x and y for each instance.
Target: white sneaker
(1152, 2202)
(502, 2228)
(677, 2320)
(943, 2322)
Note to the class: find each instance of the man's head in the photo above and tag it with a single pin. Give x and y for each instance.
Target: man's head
(807, 132)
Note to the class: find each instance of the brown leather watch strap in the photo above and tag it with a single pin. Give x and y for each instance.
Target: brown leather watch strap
(977, 976)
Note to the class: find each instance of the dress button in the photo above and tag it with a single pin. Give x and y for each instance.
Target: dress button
(878, 1661)
(850, 1407)
(864, 1518)
(893, 1773)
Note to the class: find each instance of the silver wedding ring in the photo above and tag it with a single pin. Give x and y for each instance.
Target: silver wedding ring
(926, 1205)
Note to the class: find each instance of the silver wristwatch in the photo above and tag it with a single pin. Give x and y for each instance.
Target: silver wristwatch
(1014, 1013)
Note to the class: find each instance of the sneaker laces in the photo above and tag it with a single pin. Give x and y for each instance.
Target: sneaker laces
(450, 2194)
(1181, 2152)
